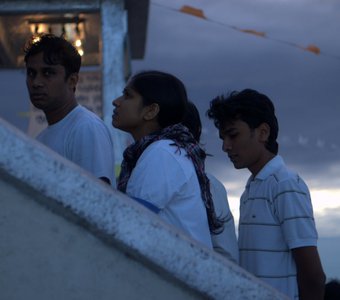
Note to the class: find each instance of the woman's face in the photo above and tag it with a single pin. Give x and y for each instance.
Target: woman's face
(129, 112)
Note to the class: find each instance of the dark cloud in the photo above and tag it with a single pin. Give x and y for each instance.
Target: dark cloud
(213, 59)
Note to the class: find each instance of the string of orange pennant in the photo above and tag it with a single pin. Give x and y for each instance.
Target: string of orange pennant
(199, 13)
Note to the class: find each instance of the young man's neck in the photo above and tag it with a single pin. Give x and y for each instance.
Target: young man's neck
(267, 156)
(60, 113)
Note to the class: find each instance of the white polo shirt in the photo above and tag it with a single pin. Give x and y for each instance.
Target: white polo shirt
(166, 178)
(276, 215)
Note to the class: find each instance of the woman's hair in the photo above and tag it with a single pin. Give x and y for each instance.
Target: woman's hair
(164, 89)
(192, 121)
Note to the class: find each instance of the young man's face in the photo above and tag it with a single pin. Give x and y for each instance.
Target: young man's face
(245, 146)
(47, 86)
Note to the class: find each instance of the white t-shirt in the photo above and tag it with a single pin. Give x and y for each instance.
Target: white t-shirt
(276, 215)
(225, 242)
(83, 138)
(165, 177)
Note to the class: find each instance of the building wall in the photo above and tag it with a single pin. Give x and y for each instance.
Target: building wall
(46, 256)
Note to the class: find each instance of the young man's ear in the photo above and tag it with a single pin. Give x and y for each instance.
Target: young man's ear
(73, 80)
(263, 132)
(151, 111)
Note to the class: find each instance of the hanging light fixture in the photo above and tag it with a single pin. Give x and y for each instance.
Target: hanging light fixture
(70, 27)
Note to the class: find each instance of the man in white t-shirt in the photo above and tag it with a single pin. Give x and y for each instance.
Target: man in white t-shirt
(277, 234)
(52, 66)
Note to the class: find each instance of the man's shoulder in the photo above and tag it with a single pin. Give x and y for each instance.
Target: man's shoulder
(86, 119)
(285, 179)
(283, 173)
(82, 112)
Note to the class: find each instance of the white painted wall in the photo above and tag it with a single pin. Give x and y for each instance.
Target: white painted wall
(45, 256)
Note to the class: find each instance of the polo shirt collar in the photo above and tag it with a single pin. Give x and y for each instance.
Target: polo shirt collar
(270, 168)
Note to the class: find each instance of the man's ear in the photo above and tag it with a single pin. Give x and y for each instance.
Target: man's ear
(263, 132)
(151, 111)
(73, 80)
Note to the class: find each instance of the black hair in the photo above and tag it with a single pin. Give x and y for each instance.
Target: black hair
(332, 290)
(249, 106)
(192, 121)
(56, 51)
(164, 89)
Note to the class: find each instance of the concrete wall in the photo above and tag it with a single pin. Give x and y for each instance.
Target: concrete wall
(66, 235)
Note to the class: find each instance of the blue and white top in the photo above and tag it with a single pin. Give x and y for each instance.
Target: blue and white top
(164, 179)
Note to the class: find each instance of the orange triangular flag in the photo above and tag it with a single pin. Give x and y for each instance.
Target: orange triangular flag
(192, 11)
(251, 31)
(313, 48)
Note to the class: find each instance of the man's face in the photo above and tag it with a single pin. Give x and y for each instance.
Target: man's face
(245, 146)
(47, 86)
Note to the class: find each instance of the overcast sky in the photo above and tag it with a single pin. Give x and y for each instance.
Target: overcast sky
(213, 56)
(212, 59)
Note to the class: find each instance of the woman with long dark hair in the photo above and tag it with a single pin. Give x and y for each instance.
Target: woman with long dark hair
(164, 168)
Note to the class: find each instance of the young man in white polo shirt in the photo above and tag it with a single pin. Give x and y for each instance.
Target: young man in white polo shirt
(277, 234)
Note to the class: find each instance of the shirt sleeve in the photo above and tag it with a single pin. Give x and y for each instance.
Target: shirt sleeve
(294, 209)
(90, 146)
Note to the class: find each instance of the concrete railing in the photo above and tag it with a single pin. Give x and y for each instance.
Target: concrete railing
(66, 235)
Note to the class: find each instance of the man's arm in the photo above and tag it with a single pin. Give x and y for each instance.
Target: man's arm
(310, 275)
(90, 146)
